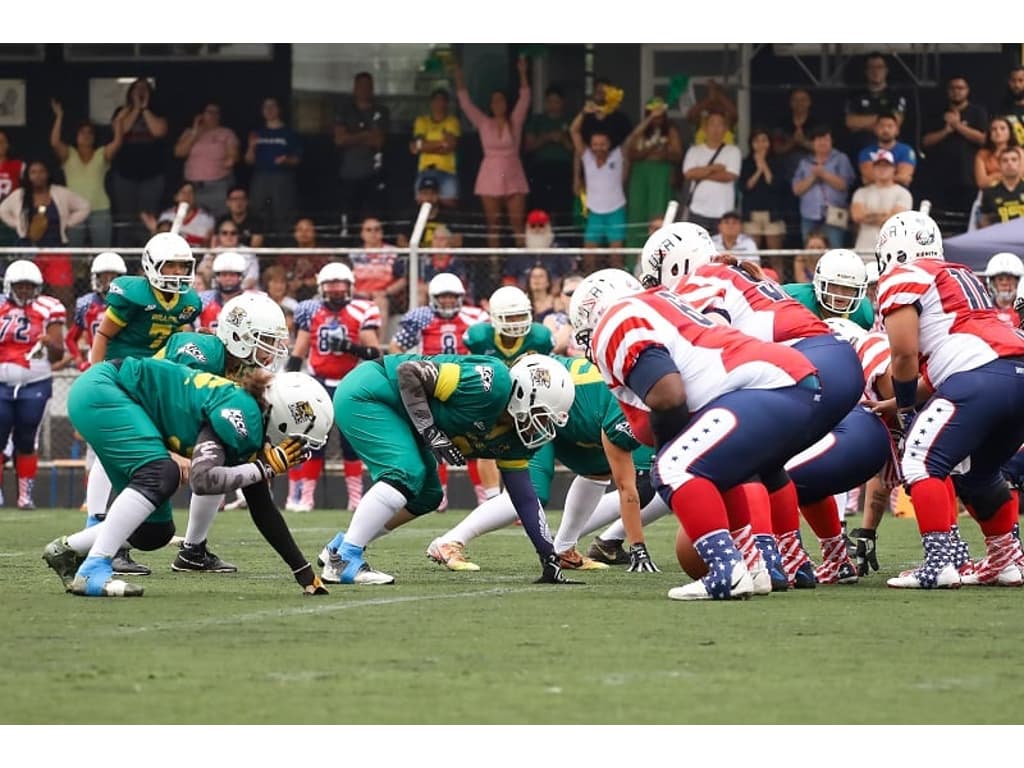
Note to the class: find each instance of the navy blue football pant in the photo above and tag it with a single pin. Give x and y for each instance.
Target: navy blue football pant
(21, 411)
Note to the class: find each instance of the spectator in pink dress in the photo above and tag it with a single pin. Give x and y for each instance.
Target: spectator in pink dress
(501, 181)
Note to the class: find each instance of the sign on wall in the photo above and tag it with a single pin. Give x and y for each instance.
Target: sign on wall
(12, 102)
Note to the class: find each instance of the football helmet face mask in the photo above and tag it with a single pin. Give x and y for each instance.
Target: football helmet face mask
(228, 269)
(840, 281)
(511, 312)
(593, 296)
(542, 394)
(673, 251)
(334, 282)
(23, 282)
(105, 267)
(446, 293)
(168, 263)
(252, 328)
(298, 407)
(906, 237)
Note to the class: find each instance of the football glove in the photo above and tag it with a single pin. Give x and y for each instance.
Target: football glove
(278, 459)
(865, 553)
(316, 588)
(640, 560)
(338, 341)
(552, 572)
(438, 442)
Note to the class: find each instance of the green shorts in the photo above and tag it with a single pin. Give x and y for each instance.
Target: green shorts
(118, 429)
(605, 228)
(369, 412)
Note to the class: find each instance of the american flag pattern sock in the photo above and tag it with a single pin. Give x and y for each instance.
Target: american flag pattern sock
(744, 541)
(793, 554)
(718, 550)
(938, 553)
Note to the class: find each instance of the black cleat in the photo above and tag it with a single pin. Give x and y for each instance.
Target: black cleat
(196, 557)
(608, 551)
(125, 566)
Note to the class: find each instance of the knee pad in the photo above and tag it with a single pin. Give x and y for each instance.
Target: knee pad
(985, 501)
(157, 481)
(773, 480)
(150, 536)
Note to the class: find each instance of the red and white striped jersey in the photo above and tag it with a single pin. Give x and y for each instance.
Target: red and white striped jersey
(21, 328)
(874, 354)
(314, 316)
(712, 359)
(1008, 316)
(959, 328)
(436, 335)
(758, 308)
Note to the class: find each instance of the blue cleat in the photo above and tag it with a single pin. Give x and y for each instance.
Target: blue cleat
(805, 578)
(95, 578)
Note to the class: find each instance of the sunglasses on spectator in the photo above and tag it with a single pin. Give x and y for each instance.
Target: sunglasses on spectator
(228, 232)
(371, 229)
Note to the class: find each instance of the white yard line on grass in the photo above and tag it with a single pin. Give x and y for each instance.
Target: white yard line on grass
(328, 605)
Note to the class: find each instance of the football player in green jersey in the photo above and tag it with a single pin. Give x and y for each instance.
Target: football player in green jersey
(136, 411)
(141, 313)
(595, 443)
(251, 334)
(403, 414)
(837, 288)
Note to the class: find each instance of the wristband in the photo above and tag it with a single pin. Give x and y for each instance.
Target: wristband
(906, 393)
(294, 364)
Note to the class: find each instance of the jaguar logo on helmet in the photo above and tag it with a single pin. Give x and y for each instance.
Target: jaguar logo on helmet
(302, 411)
(541, 377)
(236, 316)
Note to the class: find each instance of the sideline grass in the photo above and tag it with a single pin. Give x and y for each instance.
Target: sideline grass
(491, 647)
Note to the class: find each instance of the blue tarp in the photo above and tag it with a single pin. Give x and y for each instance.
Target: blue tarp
(974, 249)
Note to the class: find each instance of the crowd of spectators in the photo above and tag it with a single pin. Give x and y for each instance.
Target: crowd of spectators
(546, 180)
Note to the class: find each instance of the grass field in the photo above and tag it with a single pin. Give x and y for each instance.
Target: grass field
(491, 647)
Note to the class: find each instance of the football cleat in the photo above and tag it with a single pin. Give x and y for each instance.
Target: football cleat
(740, 587)
(64, 561)
(1009, 576)
(831, 572)
(346, 566)
(805, 577)
(608, 551)
(125, 566)
(451, 555)
(946, 578)
(762, 579)
(95, 579)
(197, 558)
(572, 560)
(551, 572)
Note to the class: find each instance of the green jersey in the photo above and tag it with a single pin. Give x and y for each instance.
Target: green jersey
(594, 410)
(470, 397)
(864, 316)
(482, 339)
(202, 351)
(145, 317)
(179, 400)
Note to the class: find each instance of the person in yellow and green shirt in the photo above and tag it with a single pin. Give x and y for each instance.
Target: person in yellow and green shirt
(434, 138)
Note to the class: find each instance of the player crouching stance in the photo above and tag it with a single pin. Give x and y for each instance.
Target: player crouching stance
(719, 406)
(406, 412)
(131, 411)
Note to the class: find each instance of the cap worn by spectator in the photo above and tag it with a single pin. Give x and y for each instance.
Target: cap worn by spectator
(537, 218)
(883, 156)
(731, 215)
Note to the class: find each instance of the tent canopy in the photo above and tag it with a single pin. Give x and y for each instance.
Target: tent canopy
(974, 249)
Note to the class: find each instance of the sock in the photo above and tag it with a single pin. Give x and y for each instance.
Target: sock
(954, 511)
(97, 491)
(1002, 521)
(201, 511)
(294, 484)
(760, 507)
(25, 487)
(823, 517)
(26, 467)
(785, 510)
(378, 506)
(840, 500)
(354, 482)
(580, 501)
(490, 516)
(490, 493)
(655, 510)
(716, 549)
(737, 506)
(931, 505)
(698, 506)
(82, 541)
(744, 541)
(308, 492)
(127, 513)
(474, 472)
(313, 468)
(442, 474)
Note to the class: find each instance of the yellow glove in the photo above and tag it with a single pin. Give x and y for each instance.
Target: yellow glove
(316, 588)
(278, 459)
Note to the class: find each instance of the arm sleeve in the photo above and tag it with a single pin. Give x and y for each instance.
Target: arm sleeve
(209, 476)
(417, 381)
(528, 508)
(653, 364)
(273, 528)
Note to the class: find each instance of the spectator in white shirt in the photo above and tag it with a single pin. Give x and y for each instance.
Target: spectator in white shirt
(605, 171)
(710, 171)
(730, 238)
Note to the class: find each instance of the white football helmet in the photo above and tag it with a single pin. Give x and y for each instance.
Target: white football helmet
(673, 251)
(228, 263)
(593, 296)
(1004, 264)
(542, 394)
(511, 311)
(21, 272)
(445, 284)
(104, 263)
(872, 270)
(846, 330)
(840, 267)
(252, 327)
(334, 272)
(905, 237)
(299, 407)
(162, 249)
